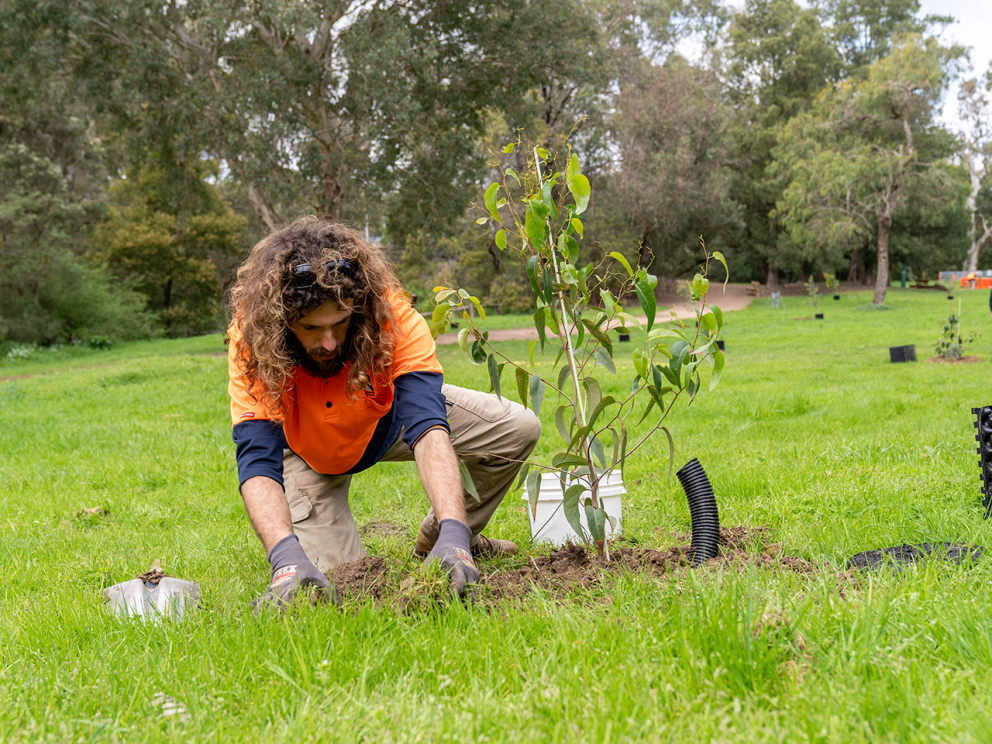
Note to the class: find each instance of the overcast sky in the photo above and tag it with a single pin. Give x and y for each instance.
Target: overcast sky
(973, 29)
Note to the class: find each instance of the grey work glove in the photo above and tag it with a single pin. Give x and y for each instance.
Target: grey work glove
(292, 573)
(455, 553)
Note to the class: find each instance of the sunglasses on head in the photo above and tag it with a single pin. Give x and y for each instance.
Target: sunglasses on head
(302, 276)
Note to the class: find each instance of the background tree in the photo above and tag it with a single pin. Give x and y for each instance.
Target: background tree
(853, 157)
(175, 237)
(976, 152)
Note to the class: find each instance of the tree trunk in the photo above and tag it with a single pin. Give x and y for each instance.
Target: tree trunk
(265, 212)
(882, 277)
(977, 241)
(772, 279)
(855, 274)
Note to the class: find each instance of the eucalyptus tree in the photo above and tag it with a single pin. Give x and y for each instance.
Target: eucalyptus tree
(325, 106)
(976, 153)
(852, 159)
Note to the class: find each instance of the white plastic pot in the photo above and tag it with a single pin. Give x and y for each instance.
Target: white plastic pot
(549, 525)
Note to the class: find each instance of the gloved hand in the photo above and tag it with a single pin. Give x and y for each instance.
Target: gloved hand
(453, 550)
(292, 572)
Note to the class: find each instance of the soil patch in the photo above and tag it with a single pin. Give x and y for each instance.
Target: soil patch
(564, 570)
(962, 360)
(384, 529)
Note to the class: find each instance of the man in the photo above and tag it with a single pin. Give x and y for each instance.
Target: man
(331, 371)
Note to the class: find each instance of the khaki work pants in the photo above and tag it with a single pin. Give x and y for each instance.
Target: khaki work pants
(491, 436)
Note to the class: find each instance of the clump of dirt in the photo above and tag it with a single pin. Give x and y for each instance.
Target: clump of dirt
(94, 511)
(364, 577)
(564, 569)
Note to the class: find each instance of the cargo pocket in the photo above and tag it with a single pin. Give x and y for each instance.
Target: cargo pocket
(300, 507)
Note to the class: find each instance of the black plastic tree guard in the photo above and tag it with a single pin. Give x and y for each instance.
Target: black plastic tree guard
(902, 353)
(983, 422)
(702, 508)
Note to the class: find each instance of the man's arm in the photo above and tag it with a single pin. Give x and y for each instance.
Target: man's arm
(267, 510)
(440, 475)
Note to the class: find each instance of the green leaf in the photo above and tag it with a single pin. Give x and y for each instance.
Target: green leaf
(718, 314)
(603, 339)
(534, 223)
(546, 198)
(600, 407)
(478, 306)
(439, 319)
(572, 246)
(482, 221)
(570, 506)
(522, 476)
(539, 325)
(522, 381)
(531, 346)
(606, 360)
(542, 153)
(562, 374)
(532, 269)
(581, 191)
(548, 290)
(640, 363)
(463, 340)
(596, 518)
(478, 352)
(718, 362)
(536, 394)
(651, 404)
(467, 482)
(578, 227)
(490, 199)
(671, 451)
(533, 491)
(645, 296)
(560, 423)
(494, 373)
(501, 240)
(597, 451)
(619, 257)
(566, 460)
(594, 393)
(513, 173)
(572, 168)
(508, 149)
(719, 257)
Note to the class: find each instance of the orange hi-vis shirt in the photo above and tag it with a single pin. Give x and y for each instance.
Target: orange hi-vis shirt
(331, 431)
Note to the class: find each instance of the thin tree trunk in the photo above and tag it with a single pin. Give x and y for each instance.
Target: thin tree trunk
(882, 277)
(855, 273)
(977, 241)
(265, 212)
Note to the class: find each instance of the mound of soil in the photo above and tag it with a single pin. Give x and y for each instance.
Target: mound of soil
(901, 555)
(962, 360)
(563, 570)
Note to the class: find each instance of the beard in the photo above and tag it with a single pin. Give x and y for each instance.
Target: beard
(317, 362)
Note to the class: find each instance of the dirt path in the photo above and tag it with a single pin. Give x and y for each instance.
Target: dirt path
(737, 297)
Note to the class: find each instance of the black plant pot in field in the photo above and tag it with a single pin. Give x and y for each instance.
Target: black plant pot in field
(624, 336)
(719, 344)
(836, 297)
(950, 297)
(819, 316)
(902, 353)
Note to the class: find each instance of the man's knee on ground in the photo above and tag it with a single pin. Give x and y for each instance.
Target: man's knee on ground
(529, 427)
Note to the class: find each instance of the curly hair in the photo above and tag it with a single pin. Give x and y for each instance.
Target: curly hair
(266, 304)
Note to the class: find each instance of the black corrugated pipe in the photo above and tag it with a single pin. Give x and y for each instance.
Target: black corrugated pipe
(702, 507)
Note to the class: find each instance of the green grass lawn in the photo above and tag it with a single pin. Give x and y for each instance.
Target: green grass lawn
(812, 431)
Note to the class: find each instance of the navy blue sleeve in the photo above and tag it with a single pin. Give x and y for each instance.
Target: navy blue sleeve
(419, 404)
(990, 300)
(259, 450)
